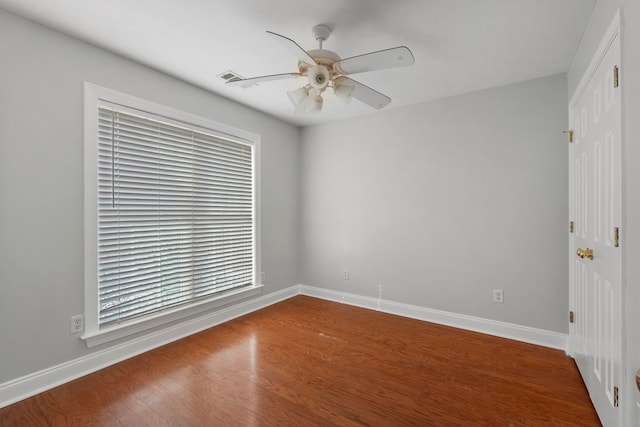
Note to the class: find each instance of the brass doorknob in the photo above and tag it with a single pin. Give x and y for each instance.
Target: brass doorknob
(585, 253)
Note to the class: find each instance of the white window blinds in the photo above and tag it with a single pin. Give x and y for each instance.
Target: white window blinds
(175, 215)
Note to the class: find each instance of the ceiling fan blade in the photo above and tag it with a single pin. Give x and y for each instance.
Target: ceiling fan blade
(260, 79)
(293, 47)
(399, 56)
(367, 95)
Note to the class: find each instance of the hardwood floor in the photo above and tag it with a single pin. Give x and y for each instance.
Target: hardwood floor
(309, 362)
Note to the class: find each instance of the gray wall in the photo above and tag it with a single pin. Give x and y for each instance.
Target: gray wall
(630, 240)
(439, 203)
(41, 183)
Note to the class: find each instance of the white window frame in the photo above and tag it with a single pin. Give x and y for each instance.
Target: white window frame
(94, 96)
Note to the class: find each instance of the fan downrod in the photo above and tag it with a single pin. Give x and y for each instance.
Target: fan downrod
(321, 33)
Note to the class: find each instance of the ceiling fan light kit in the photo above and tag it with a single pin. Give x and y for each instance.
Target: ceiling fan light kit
(324, 68)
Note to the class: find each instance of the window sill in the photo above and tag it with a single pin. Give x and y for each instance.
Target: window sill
(96, 337)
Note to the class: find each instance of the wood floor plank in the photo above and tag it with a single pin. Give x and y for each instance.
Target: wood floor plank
(309, 362)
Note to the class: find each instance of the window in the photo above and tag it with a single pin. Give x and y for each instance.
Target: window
(173, 200)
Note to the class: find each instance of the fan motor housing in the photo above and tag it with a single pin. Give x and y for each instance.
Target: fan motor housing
(324, 57)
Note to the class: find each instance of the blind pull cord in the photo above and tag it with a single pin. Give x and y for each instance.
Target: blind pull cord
(113, 160)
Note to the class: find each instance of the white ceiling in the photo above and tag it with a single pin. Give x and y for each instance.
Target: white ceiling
(459, 45)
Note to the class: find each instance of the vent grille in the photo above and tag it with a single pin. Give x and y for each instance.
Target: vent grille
(232, 76)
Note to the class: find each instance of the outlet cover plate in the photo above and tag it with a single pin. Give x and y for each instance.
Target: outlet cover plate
(498, 296)
(77, 324)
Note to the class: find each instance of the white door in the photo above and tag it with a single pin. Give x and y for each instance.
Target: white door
(595, 209)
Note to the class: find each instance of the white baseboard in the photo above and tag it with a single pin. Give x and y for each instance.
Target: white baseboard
(486, 326)
(37, 382)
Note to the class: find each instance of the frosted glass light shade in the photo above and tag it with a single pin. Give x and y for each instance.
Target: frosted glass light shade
(297, 96)
(316, 105)
(318, 77)
(343, 91)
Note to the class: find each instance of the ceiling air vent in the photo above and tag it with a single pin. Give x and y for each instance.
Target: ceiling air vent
(232, 76)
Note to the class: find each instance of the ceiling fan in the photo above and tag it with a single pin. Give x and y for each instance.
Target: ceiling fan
(324, 69)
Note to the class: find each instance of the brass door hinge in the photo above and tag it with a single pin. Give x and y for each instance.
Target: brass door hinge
(571, 317)
(569, 135)
(616, 77)
(616, 397)
(616, 237)
(570, 226)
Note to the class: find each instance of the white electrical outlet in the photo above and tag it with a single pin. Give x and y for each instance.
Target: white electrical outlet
(77, 324)
(498, 296)
(345, 274)
(263, 277)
